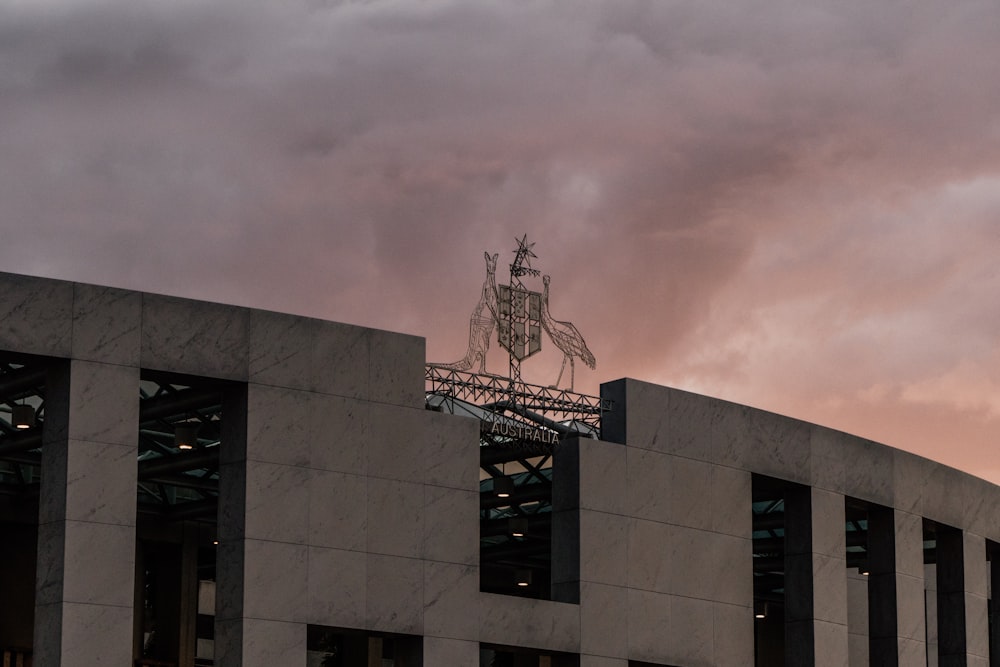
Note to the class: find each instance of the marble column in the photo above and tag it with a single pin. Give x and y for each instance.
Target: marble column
(815, 578)
(86, 542)
(962, 614)
(895, 588)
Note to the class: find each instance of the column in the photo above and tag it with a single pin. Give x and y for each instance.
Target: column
(86, 541)
(895, 588)
(815, 578)
(994, 608)
(961, 579)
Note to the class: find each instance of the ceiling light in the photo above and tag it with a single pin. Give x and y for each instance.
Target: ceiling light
(22, 416)
(503, 487)
(523, 578)
(185, 436)
(517, 527)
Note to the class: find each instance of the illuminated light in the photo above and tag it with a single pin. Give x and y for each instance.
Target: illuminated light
(760, 610)
(517, 527)
(22, 417)
(185, 436)
(503, 487)
(523, 578)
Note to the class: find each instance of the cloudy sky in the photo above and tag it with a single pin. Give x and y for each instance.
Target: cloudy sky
(790, 204)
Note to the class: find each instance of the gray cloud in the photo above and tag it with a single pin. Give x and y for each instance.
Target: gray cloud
(793, 205)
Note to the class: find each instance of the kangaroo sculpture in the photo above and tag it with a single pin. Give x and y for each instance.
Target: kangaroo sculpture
(481, 323)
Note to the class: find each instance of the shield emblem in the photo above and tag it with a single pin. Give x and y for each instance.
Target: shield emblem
(520, 327)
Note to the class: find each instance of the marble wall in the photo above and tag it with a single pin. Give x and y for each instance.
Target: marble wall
(345, 503)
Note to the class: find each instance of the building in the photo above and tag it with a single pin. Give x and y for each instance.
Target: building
(204, 484)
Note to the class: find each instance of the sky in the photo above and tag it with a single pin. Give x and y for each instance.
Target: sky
(789, 204)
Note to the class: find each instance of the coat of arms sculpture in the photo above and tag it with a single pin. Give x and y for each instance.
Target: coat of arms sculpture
(519, 315)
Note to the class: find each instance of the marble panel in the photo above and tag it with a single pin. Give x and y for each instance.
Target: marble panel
(106, 324)
(830, 589)
(909, 529)
(648, 475)
(280, 351)
(603, 628)
(688, 482)
(604, 553)
(828, 521)
(278, 425)
(650, 561)
(730, 502)
(104, 403)
(857, 604)
(228, 644)
(232, 501)
(277, 502)
(52, 496)
(451, 525)
(778, 446)
(101, 483)
(975, 564)
(449, 450)
(451, 601)
(643, 410)
(690, 432)
(831, 644)
(267, 643)
(943, 499)
(910, 620)
(338, 433)
(826, 458)
(980, 500)
(397, 525)
(977, 636)
(451, 652)
(338, 510)
(102, 565)
(912, 652)
(47, 634)
(910, 475)
(692, 629)
(731, 434)
(336, 587)
(650, 626)
(37, 315)
(396, 373)
(230, 579)
(394, 594)
(342, 360)
(515, 621)
(869, 471)
(96, 634)
(186, 336)
(734, 635)
(398, 439)
(50, 564)
(601, 661)
(275, 577)
(709, 566)
(602, 474)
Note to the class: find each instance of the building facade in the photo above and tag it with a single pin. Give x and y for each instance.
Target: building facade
(186, 483)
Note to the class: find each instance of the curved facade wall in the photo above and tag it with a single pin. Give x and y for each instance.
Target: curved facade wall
(343, 503)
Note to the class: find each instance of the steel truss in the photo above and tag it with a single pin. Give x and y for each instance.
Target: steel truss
(565, 412)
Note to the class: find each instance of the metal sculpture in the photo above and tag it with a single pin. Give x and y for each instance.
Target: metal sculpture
(519, 316)
(566, 337)
(481, 323)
